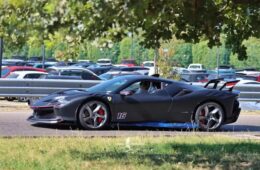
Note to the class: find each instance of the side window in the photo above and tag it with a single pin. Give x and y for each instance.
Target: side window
(75, 73)
(133, 87)
(65, 73)
(32, 76)
(88, 76)
(141, 87)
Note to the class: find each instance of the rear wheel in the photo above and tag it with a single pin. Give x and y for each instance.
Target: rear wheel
(93, 115)
(209, 116)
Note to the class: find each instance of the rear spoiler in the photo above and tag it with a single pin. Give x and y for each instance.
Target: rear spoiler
(217, 81)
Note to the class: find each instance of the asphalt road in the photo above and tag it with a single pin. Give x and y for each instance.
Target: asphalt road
(15, 124)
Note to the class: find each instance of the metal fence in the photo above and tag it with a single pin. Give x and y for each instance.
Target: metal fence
(43, 87)
(40, 87)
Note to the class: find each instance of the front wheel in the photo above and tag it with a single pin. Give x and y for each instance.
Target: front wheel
(209, 116)
(93, 115)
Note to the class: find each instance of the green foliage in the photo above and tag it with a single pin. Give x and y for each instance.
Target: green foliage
(189, 20)
(253, 51)
(125, 49)
(152, 23)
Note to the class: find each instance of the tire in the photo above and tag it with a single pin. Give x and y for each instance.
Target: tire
(93, 115)
(209, 116)
(22, 99)
(10, 98)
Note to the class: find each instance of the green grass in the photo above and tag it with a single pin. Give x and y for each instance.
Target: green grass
(182, 152)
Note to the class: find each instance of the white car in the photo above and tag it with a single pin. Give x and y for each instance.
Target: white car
(196, 68)
(150, 65)
(248, 82)
(26, 74)
(104, 62)
(248, 73)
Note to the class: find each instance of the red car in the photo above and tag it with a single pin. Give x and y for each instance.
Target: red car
(7, 70)
(128, 62)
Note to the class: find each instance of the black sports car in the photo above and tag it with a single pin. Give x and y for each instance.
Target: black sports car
(119, 101)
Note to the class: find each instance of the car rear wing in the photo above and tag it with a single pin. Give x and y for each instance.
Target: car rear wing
(229, 84)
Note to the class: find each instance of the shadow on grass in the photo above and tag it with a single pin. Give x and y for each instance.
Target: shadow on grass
(225, 128)
(225, 156)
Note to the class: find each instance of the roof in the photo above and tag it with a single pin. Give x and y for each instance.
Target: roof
(104, 59)
(28, 72)
(12, 68)
(70, 68)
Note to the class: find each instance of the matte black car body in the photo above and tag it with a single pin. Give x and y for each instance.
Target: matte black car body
(177, 102)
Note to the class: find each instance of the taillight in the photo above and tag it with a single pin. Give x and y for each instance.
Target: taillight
(231, 84)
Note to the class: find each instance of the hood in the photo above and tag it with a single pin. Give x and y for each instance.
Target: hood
(61, 96)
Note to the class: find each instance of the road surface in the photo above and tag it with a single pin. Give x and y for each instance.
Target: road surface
(15, 124)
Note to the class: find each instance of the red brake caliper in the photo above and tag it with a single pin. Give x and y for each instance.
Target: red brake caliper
(100, 112)
(202, 113)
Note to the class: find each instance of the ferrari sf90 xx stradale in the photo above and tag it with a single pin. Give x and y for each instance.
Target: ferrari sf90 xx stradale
(138, 100)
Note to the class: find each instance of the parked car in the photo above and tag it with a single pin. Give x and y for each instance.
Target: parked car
(139, 69)
(84, 64)
(194, 77)
(251, 82)
(7, 70)
(224, 76)
(196, 68)
(26, 74)
(13, 62)
(150, 65)
(70, 71)
(99, 69)
(46, 65)
(245, 76)
(112, 74)
(35, 59)
(104, 62)
(128, 62)
(225, 69)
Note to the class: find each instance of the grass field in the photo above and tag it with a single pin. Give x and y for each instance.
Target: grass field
(182, 152)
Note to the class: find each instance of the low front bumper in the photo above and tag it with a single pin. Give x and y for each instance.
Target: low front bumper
(36, 120)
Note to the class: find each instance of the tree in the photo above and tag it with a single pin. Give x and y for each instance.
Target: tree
(190, 20)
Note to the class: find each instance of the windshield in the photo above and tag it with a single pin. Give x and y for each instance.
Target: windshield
(104, 61)
(195, 66)
(148, 64)
(106, 76)
(5, 71)
(109, 85)
(93, 66)
(12, 75)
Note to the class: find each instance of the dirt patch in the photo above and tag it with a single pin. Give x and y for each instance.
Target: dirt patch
(13, 106)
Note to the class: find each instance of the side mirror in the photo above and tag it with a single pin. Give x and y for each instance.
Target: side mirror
(126, 93)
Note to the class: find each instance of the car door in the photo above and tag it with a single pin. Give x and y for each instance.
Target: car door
(142, 107)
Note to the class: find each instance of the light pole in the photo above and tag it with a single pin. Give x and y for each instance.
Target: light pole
(1, 54)
(217, 53)
(43, 55)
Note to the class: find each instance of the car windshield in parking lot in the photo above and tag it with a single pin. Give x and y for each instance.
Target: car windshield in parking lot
(110, 85)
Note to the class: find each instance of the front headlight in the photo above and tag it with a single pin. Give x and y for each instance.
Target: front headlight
(60, 101)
